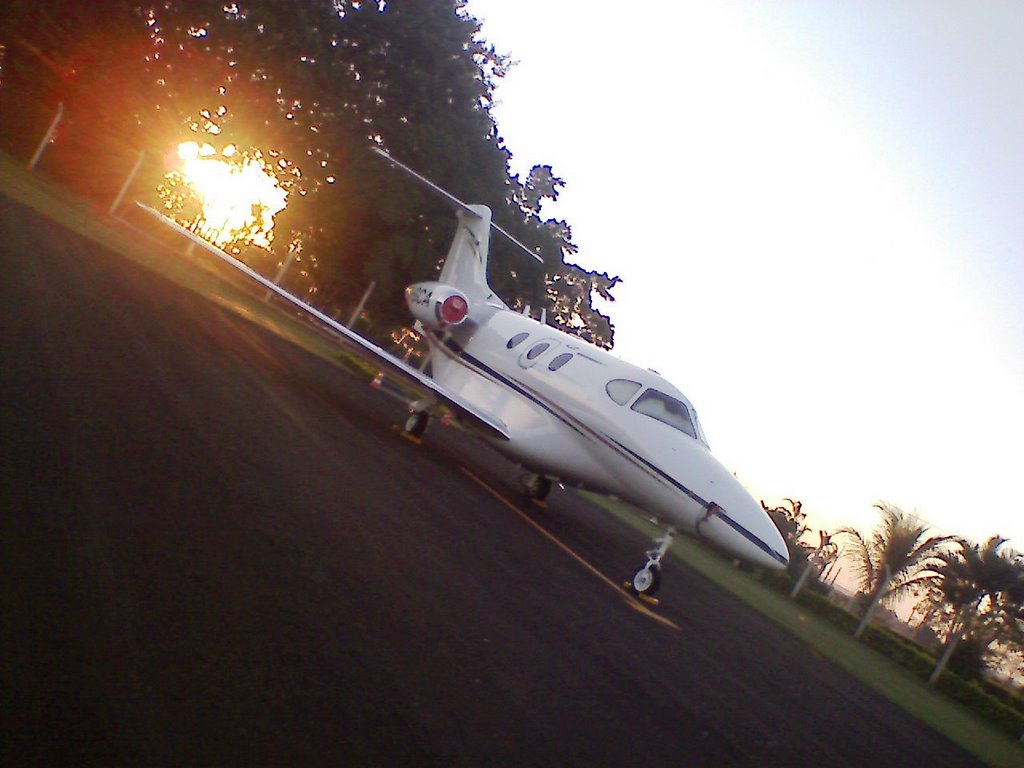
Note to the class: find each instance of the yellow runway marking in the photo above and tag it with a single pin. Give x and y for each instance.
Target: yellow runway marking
(411, 438)
(631, 601)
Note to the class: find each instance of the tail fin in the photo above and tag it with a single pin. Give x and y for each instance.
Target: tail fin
(465, 267)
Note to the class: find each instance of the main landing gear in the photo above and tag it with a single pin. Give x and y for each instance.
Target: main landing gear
(647, 578)
(416, 423)
(535, 487)
(418, 418)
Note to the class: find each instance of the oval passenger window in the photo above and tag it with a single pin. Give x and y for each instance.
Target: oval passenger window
(516, 340)
(537, 350)
(559, 360)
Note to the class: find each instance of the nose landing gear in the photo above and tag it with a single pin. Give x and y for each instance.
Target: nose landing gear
(647, 579)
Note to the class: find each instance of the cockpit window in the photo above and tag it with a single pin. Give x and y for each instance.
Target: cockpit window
(665, 409)
(621, 390)
(519, 338)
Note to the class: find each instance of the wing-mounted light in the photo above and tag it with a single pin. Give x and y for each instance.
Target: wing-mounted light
(436, 305)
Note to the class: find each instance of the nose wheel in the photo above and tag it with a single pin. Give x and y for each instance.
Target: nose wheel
(647, 578)
(535, 486)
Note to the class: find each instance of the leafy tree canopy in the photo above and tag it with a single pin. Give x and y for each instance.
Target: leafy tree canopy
(979, 591)
(897, 558)
(313, 83)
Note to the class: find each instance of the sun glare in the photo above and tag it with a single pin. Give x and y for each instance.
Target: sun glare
(236, 194)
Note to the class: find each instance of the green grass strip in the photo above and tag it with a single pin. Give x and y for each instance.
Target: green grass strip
(200, 272)
(888, 678)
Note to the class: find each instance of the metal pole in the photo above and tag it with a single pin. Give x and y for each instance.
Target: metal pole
(955, 633)
(951, 644)
(362, 303)
(802, 579)
(48, 137)
(280, 273)
(874, 604)
(127, 183)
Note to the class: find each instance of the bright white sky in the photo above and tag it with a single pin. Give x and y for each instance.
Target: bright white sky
(816, 210)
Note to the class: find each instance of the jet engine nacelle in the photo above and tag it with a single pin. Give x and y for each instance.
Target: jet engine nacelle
(436, 305)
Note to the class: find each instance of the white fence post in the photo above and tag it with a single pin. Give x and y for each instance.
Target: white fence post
(874, 604)
(956, 631)
(48, 137)
(127, 183)
(802, 580)
(362, 303)
(281, 273)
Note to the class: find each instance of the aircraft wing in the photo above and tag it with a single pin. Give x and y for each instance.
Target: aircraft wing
(489, 424)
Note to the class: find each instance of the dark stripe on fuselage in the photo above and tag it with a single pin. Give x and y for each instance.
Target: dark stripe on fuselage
(752, 538)
(721, 513)
(461, 356)
(661, 473)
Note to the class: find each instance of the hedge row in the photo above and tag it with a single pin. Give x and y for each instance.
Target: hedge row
(907, 654)
(1007, 697)
(1002, 708)
(982, 704)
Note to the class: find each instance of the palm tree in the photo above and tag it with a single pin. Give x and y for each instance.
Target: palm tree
(790, 522)
(896, 560)
(982, 589)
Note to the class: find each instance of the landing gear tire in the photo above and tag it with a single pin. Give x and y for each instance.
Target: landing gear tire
(536, 486)
(416, 423)
(647, 580)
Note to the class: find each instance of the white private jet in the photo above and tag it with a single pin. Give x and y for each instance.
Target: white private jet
(560, 407)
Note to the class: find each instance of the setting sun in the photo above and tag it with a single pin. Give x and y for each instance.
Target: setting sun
(236, 194)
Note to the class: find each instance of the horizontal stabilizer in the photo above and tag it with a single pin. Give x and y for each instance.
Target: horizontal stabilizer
(489, 424)
(425, 182)
(453, 201)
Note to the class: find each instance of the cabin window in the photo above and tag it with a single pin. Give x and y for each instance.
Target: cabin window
(667, 410)
(559, 360)
(621, 390)
(537, 350)
(516, 340)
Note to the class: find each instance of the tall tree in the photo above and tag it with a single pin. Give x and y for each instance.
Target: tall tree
(790, 520)
(89, 59)
(418, 79)
(981, 591)
(898, 558)
(313, 83)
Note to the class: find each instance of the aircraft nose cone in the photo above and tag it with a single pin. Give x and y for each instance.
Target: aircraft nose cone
(744, 529)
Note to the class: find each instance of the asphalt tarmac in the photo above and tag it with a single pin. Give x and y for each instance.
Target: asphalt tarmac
(218, 550)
